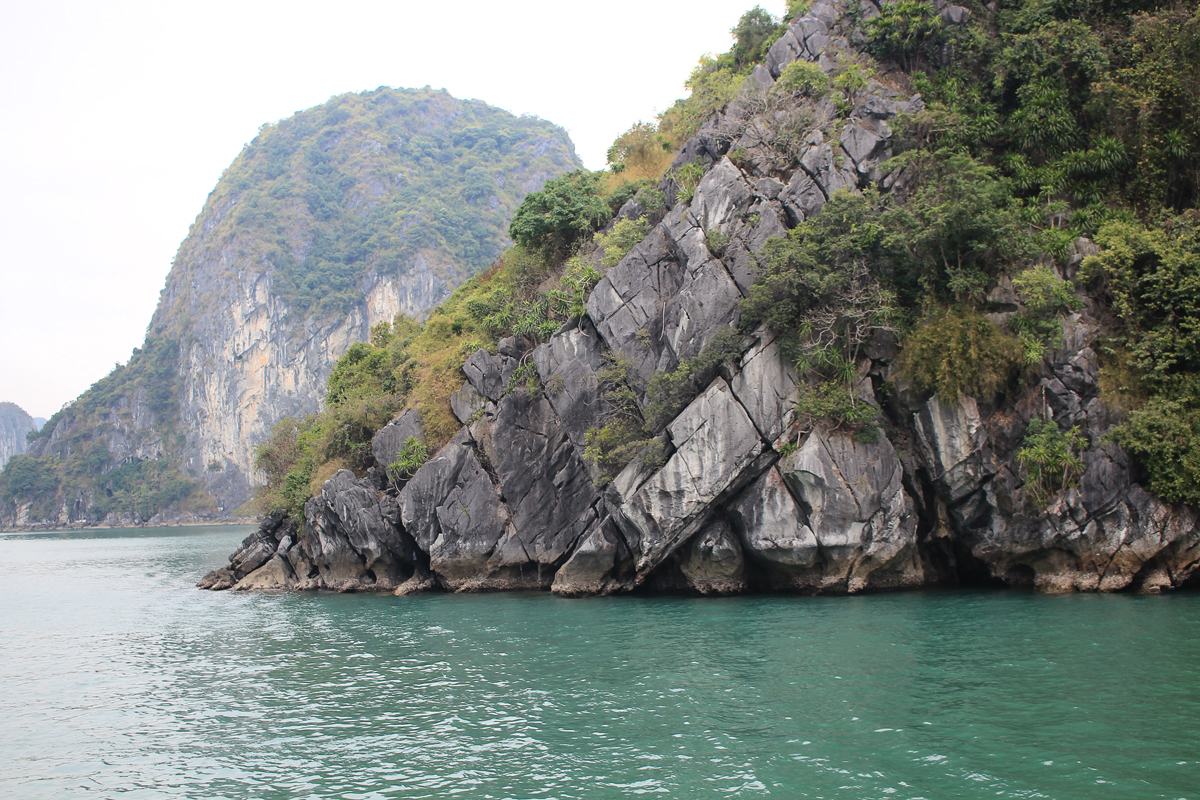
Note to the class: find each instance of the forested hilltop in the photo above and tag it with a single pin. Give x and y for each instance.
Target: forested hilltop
(901, 294)
(366, 206)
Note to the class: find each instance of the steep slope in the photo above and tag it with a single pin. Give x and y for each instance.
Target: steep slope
(14, 425)
(789, 443)
(327, 223)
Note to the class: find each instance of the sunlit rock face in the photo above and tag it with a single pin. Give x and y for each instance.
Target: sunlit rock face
(328, 223)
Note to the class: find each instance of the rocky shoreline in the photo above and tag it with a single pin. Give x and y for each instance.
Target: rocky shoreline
(745, 497)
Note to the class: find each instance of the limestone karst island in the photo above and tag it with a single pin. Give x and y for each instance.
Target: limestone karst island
(838, 440)
(901, 295)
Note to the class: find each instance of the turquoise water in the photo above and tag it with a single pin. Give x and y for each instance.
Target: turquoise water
(117, 678)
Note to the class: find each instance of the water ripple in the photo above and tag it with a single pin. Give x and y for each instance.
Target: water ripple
(120, 678)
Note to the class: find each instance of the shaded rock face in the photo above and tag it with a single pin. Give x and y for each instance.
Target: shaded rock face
(743, 497)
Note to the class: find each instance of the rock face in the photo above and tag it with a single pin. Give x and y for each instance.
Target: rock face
(742, 497)
(327, 224)
(14, 424)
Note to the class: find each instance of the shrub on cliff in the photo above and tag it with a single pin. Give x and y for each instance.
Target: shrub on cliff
(563, 212)
(957, 351)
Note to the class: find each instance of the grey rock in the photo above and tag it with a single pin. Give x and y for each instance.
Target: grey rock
(761, 77)
(453, 511)
(955, 15)
(627, 306)
(390, 440)
(353, 537)
(713, 562)
(716, 448)
(595, 567)
(768, 188)
(766, 386)
(568, 366)
(802, 197)
(854, 502)
(952, 437)
(275, 574)
(548, 490)
(488, 374)
(466, 403)
(774, 531)
(787, 48)
(865, 147)
(254, 551)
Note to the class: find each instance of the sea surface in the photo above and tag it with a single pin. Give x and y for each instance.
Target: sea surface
(119, 679)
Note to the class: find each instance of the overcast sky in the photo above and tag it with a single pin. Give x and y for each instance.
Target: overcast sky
(119, 116)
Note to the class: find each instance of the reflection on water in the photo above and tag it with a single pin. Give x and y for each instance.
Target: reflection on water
(120, 678)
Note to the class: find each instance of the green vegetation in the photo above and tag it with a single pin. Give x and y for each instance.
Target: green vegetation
(1050, 458)
(1088, 108)
(622, 435)
(621, 239)
(411, 458)
(374, 181)
(1152, 274)
(957, 351)
(567, 210)
(1045, 297)
(1046, 120)
(77, 462)
(28, 479)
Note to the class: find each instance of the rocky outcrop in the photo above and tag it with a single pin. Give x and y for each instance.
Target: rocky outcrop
(327, 224)
(738, 492)
(14, 425)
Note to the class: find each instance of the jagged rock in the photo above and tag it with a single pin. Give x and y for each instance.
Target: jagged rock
(716, 448)
(488, 374)
(254, 551)
(596, 565)
(774, 532)
(802, 197)
(549, 492)
(741, 254)
(466, 403)
(766, 386)
(666, 300)
(865, 147)
(627, 305)
(352, 536)
(455, 514)
(760, 77)
(951, 437)
(389, 441)
(713, 562)
(853, 502)
(826, 166)
(275, 574)
(568, 365)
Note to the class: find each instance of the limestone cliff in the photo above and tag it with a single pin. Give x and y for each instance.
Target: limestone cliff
(14, 425)
(745, 495)
(327, 223)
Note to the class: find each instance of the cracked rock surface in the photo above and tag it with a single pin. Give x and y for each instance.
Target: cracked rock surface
(745, 497)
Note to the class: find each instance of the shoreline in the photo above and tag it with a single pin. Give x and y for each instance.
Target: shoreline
(223, 521)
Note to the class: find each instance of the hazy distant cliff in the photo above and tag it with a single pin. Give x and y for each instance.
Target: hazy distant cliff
(14, 424)
(327, 223)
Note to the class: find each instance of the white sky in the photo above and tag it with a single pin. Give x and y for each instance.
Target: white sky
(118, 117)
